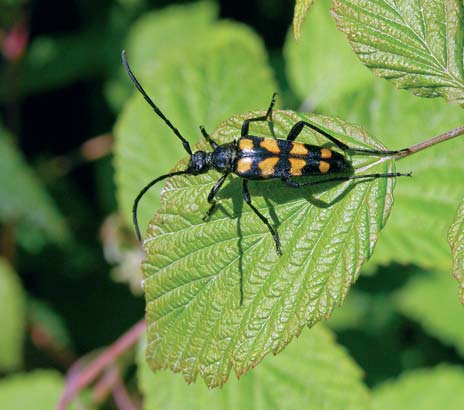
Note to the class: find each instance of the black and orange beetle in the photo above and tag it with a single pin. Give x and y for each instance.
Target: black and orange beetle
(259, 158)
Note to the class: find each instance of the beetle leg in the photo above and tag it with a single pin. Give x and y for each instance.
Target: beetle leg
(298, 127)
(247, 198)
(213, 144)
(267, 117)
(217, 186)
(294, 184)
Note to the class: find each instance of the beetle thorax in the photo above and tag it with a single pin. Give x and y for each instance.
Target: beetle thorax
(223, 157)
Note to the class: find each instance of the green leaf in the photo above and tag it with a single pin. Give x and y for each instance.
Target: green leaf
(425, 389)
(193, 269)
(166, 30)
(12, 319)
(416, 44)
(205, 87)
(313, 373)
(430, 300)
(456, 241)
(301, 8)
(424, 204)
(314, 63)
(24, 199)
(38, 390)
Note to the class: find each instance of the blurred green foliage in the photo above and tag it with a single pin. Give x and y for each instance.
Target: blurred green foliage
(12, 308)
(313, 373)
(25, 201)
(59, 185)
(38, 390)
(428, 389)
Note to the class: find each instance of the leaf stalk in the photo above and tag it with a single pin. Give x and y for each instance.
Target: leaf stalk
(455, 132)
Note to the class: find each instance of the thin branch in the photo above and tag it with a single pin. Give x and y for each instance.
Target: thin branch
(104, 385)
(121, 397)
(456, 132)
(77, 380)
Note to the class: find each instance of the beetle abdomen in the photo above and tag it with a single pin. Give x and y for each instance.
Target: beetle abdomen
(262, 158)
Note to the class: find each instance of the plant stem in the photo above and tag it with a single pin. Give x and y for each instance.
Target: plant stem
(80, 377)
(428, 143)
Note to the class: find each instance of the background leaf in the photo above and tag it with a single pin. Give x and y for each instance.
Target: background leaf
(456, 240)
(301, 8)
(425, 389)
(12, 319)
(166, 30)
(314, 62)
(38, 390)
(424, 204)
(418, 45)
(313, 373)
(24, 198)
(429, 298)
(192, 88)
(55, 61)
(192, 271)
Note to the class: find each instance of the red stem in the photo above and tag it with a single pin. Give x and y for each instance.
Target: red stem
(77, 380)
(121, 396)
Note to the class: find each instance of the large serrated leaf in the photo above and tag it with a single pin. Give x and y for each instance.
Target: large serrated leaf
(429, 298)
(301, 8)
(313, 373)
(417, 44)
(12, 319)
(24, 200)
(193, 269)
(424, 204)
(425, 389)
(456, 241)
(321, 66)
(228, 75)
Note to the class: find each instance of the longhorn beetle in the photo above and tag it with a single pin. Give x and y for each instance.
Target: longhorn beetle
(260, 158)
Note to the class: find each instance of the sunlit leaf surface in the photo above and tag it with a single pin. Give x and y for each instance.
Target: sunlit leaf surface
(194, 268)
(416, 44)
(313, 373)
(301, 8)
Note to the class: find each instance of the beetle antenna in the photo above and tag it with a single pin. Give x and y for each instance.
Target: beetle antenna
(142, 193)
(152, 104)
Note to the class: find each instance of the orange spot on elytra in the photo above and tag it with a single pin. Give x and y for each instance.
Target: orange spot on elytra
(270, 145)
(298, 149)
(244, 165)
(324, 167)
(326, 153)
(296, 166)
(246, 144)
(267, 166)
